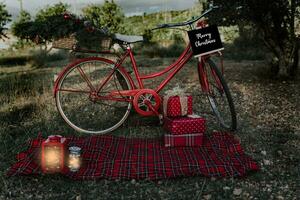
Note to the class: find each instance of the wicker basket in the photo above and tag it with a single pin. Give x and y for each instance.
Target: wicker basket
(87, 43)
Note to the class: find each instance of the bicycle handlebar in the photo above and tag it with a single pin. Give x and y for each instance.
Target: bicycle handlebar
(189, 22)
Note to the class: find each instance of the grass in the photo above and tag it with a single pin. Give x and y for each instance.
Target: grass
(269, 129)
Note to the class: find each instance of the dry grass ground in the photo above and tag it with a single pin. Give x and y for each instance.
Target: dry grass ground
(268, 125)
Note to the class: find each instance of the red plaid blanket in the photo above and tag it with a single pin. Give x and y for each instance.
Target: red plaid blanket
(112, 157)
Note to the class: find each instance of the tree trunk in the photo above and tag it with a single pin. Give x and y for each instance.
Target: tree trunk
(294, 67)
(287, 62)
(283, 65)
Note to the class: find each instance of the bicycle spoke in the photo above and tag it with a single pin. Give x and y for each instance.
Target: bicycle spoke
(141, 104)
(86, 111)
(86, 78)
(108, 78)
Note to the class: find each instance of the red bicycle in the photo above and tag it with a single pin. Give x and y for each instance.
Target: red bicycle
(95, 95)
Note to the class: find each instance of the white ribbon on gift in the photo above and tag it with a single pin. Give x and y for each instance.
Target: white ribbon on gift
(177, 91)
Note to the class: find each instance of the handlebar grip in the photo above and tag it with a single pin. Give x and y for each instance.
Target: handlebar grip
(159, 26)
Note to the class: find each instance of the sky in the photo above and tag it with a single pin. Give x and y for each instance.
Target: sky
(130, 7)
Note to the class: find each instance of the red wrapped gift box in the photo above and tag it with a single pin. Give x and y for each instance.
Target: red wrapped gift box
(185, 125)
(183, 140)
(176, 106)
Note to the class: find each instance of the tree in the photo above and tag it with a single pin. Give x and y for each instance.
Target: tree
(49, 24)
(109, 15)
(275, 22)
(24, 18)
(4, 19)
(17, 29)
(50, 11)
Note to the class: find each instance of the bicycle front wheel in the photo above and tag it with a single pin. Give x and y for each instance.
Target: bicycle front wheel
(80, 106)
(219, 96)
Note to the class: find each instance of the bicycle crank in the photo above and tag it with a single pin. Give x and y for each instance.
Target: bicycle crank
(147, 102)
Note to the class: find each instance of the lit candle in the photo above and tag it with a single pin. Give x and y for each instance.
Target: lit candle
(52, 157)
(74, 158)
(53, 154)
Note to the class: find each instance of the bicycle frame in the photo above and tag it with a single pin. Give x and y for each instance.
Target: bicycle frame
(172, 69)
(176, 67)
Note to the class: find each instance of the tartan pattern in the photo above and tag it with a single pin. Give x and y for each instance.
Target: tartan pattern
(184, 125)
(183, 140)
(112, 157)
(174, 106)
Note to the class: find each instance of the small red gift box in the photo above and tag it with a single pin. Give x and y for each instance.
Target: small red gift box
(176, 106)
(185, 125)
(183, 140)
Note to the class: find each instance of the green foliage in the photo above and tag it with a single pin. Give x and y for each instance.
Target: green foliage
(49, 24)
(108, 15)
(229, 33)
(276, 16)
(141, 25)
(24, 17)
(148, 35)
(50, 11)
(4, 19)
(274, 21)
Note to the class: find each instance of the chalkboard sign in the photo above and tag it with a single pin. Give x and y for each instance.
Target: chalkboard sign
(205, 40)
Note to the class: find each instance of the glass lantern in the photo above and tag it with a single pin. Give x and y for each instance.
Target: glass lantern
(53, 154)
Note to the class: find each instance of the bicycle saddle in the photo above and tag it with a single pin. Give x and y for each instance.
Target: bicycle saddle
(129, 38)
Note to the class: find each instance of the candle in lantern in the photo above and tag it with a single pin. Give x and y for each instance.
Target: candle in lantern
(53, 154)
(52, 157)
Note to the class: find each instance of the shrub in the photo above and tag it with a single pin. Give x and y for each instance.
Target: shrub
(40, 58)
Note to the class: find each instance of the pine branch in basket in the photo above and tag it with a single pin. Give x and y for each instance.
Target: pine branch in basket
(86, 36)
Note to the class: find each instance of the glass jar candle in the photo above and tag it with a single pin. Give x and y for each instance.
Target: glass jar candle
(74, 158)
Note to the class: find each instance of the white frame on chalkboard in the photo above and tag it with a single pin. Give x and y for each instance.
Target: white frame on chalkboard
(209, 52)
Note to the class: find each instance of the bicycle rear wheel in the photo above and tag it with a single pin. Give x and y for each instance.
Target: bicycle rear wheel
(219, 96)
(78, 104)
